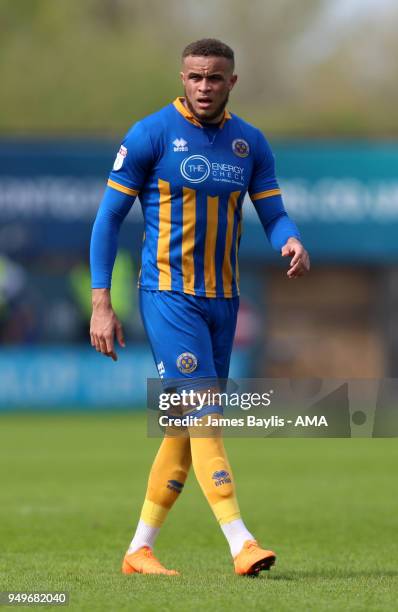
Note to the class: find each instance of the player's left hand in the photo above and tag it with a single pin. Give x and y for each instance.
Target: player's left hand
(300, 262)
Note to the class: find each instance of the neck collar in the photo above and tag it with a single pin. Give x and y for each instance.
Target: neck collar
(186, 113)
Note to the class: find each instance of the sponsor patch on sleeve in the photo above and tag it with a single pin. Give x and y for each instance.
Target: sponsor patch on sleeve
(122, 153)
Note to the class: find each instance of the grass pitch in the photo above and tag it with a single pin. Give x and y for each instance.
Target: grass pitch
(72, 487)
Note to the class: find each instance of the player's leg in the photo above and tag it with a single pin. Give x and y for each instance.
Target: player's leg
(210, 459)
(175, 327)
(172, 462)
(166, 481)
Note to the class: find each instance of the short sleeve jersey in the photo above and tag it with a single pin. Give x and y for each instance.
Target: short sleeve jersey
(191, 183)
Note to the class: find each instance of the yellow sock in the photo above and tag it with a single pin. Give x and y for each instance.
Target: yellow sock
(166, 479)
(214, 475)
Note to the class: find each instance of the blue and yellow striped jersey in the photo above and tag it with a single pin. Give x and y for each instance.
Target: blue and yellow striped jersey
(192, 180)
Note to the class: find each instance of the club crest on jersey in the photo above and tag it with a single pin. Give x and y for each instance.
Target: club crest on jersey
(122, 153)
(180, 145)
(240, 147)
(187, 363)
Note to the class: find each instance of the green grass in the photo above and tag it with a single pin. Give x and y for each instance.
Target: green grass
(71, 490)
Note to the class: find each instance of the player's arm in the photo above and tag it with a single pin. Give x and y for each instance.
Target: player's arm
(280, 229)
(128, 175)
(103, 248)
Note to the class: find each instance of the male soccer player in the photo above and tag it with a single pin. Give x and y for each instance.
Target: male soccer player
(191, 163)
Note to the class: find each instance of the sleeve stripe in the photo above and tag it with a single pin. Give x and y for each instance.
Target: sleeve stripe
(122, 188)
(265, 194)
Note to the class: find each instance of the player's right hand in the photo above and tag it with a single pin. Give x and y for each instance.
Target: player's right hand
(104, 327)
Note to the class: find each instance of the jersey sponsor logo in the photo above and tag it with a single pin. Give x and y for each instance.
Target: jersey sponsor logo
(221, 477)
(240, 147)
(120, 157)
(228, 173)
(187, 363)
(195, 168)
(180, 145)
(161, 369)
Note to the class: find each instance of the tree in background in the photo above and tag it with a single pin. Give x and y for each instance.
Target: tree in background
(308, 67)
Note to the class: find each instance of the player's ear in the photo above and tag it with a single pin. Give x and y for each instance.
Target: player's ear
(182, 75)
(232, 81)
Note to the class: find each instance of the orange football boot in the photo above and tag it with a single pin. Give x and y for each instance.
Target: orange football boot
(252, 559)
(143, 561)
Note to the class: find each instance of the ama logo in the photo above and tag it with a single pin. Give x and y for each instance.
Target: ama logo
(221, 477)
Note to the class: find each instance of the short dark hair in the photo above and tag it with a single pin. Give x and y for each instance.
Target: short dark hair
(209, 47)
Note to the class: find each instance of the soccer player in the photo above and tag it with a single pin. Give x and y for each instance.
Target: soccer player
(192, 164)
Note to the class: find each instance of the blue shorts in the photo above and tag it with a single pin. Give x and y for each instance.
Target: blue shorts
(191, 337)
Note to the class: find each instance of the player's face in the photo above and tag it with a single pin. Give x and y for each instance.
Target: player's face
(207, 82)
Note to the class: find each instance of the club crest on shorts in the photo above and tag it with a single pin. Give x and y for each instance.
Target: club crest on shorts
(187, 363)
(240, 147)
(122, 153)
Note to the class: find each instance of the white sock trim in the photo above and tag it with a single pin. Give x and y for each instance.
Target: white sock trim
(236, 534)
(145, 535)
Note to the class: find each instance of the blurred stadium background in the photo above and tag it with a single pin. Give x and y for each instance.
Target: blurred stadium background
(318, 77)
